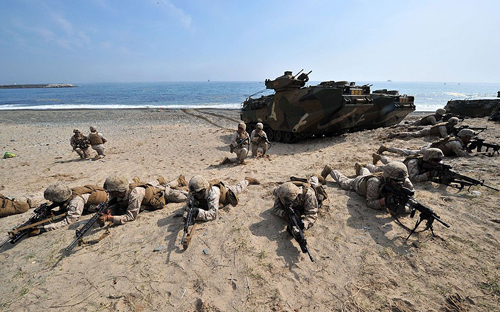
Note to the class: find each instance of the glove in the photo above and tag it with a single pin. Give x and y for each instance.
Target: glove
(104, 217)
(37, 231)
(293, 231)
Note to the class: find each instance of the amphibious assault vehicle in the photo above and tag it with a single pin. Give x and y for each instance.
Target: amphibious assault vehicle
(295, 111)
(473, 107)
(389, 108)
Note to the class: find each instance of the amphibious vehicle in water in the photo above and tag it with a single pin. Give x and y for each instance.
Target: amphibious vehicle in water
(295, 111)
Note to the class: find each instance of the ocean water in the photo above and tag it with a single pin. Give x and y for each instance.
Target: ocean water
(224, 95)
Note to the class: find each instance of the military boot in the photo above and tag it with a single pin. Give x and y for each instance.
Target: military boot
(381, 149)
(181, 180)
(358, 166)
(252, 181)
(136, 180)
(376, 158)
(326, 171)
(320, 179)
(161, 180)
(225, 161)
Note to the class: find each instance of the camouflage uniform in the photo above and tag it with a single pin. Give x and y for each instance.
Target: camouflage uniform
(449, 146)
(11, 206)
(415, 171)
(134, 198)
(366, 185)
(441, 129)
(241, 152)
(80, 144)
(305, 204)
(97, 141)
(430, 120)
(258, 142)
(209, 210)
(74, 202)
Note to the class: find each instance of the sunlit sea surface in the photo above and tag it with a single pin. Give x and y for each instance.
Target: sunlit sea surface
(224, 95)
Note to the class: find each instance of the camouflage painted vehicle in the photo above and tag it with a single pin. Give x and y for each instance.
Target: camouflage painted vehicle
(389, 108)
(473, 107)
(295, 112)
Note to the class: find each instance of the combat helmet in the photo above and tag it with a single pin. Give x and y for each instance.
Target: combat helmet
(287, 192)
(116, 183)
(242, 125)
(453, 120)
(395, 171)
(259, 125)
(466, 132)
(76, 131)
(441, 111)
(432, 153)
(57, 193)
(198, 183)
(93, 129)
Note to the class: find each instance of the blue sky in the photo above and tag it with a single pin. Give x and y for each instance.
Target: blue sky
(195, 40)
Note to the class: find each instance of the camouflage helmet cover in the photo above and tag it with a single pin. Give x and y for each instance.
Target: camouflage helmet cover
(76, 131)
(57, 193)
(466, 132)
(242, 125)
(198, 183)
(395, 171)
(116, 183)
(441, 111)
(93, 129)
(287, 192)
(432, 153)
(453, 120)
(259, 125)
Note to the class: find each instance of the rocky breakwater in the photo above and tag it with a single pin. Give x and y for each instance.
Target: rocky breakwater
(50, 85)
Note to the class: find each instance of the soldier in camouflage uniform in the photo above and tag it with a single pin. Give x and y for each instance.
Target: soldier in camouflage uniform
(450, 146)
(240, 142)
(11, 206)
(371, 186)
(97, 141)
(259, 140)
(416, 165)
(428, 120)
(72, 201)
(80, 144)
(206, 197)
(137, 196)
(304, 201)
(441, 129)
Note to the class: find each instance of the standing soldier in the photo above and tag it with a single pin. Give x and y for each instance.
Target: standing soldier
(135, 197)
(80, 144)
(259, 140)
(97, 141)
(72, 201)
(240, 142)
(205, 197)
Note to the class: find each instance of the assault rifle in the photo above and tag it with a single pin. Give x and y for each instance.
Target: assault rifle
(101, 208)
(264, 138)
(231, 147)
(41, 215)
(480, 129)
(479, 144)
(452, 178)
(405, 196)
(188, 234)
(299, 237)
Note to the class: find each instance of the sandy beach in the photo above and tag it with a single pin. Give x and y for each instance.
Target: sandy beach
(244, 260)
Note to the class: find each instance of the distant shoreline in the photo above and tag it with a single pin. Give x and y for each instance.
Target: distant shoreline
(46, 85)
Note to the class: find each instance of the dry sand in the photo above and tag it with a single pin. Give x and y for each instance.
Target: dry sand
(245, 260)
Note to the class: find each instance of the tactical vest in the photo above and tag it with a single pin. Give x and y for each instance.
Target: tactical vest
(319, 190)
(435, 129)
(82, 142)
(362, 183)
(154, 197)
(95, 139)
(10, 207)
(241, 137)
(97, 195)
(419, 164)
(227, 196)
(441, 144)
